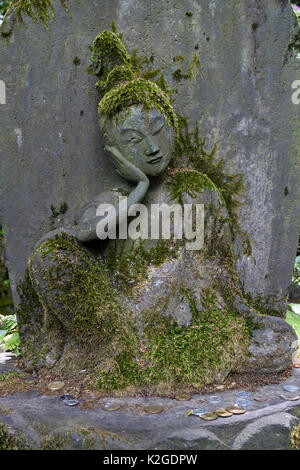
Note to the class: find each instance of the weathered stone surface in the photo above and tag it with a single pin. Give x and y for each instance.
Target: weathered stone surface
(44, 422)
(51, 146)
(272, 346)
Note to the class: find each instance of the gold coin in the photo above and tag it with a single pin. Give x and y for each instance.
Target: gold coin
(54, 386)
(153, 409)
(223, 413)
(209, 416)
(235, 410)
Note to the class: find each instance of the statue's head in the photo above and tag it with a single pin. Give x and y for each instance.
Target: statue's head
(142, 137)
(135, 114)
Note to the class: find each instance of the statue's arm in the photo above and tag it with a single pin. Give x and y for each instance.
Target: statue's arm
(86, 229)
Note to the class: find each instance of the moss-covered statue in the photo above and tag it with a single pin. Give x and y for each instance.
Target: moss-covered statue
(147, 313)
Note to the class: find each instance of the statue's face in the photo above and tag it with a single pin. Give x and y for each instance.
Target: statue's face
(144, 138)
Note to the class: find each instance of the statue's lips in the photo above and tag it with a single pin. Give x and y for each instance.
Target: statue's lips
(155, 160)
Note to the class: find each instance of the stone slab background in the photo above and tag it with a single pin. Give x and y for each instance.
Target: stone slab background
(51, 149)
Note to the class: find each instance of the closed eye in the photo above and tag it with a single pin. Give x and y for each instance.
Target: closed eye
(131, 136)
(135, 140)
(158, 129)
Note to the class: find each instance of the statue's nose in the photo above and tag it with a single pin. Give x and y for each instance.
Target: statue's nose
(152, 149)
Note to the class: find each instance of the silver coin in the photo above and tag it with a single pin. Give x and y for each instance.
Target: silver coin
(213, 399)
(243, 403)
(290, 388)
(70, 402)
(243, 394)
(198, 412)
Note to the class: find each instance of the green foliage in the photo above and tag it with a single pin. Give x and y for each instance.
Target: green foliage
(6, 303)
(4, 4)
(295, 437)
(37, 10)
(296, 272)
(9, 336)
(294, 320)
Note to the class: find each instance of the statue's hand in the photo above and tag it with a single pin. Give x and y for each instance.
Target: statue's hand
(125, 168)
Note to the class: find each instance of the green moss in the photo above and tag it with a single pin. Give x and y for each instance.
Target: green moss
(122, 79)
(37, 10)
(192, 71)
(11, 376)
(180, 355)
(191, 182)
(263, 305)
(76, 61)
(87, 308)
(295, 437)
(295, 44)
(138, 91)
(56, 212)
(190, 148)
(108, 46)
(189, 13)
(127, 268)
(10, 440)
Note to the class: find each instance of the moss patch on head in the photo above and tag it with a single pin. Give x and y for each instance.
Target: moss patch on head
(138, 91)
(124, 82)
(108, 50)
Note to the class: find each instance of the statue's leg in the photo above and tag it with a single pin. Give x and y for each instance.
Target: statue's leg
(75, 292)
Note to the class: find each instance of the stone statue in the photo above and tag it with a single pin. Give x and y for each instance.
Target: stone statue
(171, 315)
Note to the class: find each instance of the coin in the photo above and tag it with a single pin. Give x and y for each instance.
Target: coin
(290, 397)
(70, 402)
(290, 388)
(153, 409)
(223, 413)
(111, 406)
(209, 416)
(243, 394)
(54, 386)
(243, 403)
(235, 410)
(260, 398)
(213, 399)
